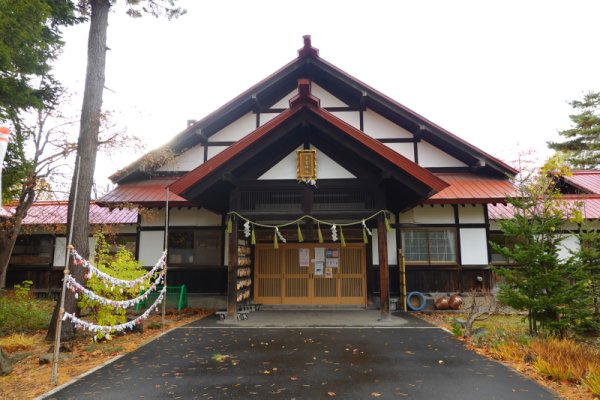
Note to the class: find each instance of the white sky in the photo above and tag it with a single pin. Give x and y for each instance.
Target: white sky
(496, 73)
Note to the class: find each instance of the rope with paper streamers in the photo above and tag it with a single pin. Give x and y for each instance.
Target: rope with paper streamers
(82, 324)
(76, 287)
(93, 271)
(277, 236)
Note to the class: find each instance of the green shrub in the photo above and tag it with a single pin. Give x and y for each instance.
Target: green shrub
(456, 328)
(122, 265)
(22, 291)
(20, 314)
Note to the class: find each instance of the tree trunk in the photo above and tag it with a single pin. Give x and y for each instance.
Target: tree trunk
(87, 147)
(10, 228)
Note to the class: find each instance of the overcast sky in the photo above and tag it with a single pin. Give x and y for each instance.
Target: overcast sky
(496, 73)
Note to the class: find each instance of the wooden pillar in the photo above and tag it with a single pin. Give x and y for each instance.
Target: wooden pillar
(384, 271)
(232, 269)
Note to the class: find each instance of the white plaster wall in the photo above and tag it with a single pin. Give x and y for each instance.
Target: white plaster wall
(236, 130)
(569, 244)
(285, 101)
(266, 117)
(193, 217)
(151, 247)
(392, 250)
(382, 128)
(153, 217)
(473, 246)
(326, 168)
(60, 247)
(431, 156)
(405, 149)
(470, 214)
(350, 117)
(214, 150)
(428, 215)
(59, 251)
(186, 161)
(327, 99)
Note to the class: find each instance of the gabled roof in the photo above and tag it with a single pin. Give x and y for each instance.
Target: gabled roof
(310, 65)
(305, 109)
(588, 181)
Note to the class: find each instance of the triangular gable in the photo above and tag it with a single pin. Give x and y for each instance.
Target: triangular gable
(327, 168)
(303, 107)
(349, 90)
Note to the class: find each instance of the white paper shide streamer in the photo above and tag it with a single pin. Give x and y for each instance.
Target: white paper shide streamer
(78, 288)
(93, 271)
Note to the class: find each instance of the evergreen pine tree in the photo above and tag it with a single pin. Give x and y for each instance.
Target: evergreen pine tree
(551, 289)
(582, 144)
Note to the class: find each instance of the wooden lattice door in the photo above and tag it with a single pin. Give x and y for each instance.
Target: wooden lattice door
(281, 280)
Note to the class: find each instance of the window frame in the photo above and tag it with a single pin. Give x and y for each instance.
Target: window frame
(16, 253)
(429, 230)
(194, 240)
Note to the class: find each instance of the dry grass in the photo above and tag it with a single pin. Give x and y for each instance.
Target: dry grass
(29, 379)
(509, 351)
(17, 342)
(592, 380)
(569, 367)
(564, 359)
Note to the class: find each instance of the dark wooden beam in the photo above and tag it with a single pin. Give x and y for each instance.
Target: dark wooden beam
(384, 271)
(232, 271)
(232, 265)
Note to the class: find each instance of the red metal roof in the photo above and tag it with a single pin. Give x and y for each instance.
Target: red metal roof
(55, 212)
(589, 204)
(588, 181)
(305, 101)
(470, 188)
(148, 192)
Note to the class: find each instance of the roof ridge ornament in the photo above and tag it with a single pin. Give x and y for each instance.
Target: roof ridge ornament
(304, 95)
(308, 50)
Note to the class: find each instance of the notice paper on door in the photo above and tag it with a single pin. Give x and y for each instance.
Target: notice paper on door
(304, 255)
(320, 254)
(329, 272)
(318, 268)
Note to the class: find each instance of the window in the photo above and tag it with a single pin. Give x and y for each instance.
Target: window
(117, 241)
(195, 247)
(33, 250)
(429, 246)
(500, 239)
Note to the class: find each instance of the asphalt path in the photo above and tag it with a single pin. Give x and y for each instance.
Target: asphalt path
(207, 360)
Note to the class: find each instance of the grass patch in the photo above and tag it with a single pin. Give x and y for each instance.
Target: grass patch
(564, 359)
(592, 380)
(17, 342)
(23, 315)
(103, 348)
(154, 325)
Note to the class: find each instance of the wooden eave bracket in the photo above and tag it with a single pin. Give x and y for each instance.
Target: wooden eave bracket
(304, 95)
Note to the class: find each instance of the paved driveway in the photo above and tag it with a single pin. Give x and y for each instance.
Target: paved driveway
(212, 360)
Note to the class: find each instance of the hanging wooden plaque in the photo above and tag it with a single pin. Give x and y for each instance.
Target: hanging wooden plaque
(307, 165)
